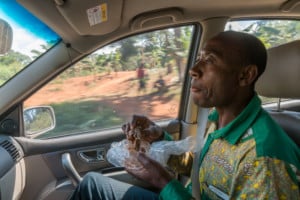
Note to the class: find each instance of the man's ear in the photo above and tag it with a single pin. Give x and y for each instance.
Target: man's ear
(248, 75)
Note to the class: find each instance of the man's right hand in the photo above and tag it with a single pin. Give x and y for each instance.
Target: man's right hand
(149, 130)
(148, 170)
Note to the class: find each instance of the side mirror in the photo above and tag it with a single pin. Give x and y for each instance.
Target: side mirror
(38, 120)
(6, 36)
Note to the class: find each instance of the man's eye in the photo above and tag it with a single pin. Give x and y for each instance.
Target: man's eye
(209, 59)
(198, 59)
(205, 58)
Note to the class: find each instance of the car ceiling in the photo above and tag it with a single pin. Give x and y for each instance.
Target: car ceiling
(68, 18)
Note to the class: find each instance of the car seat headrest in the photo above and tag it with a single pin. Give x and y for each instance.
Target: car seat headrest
(282, 75)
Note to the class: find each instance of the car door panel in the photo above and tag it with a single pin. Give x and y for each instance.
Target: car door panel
(43, 161)
(90, 103)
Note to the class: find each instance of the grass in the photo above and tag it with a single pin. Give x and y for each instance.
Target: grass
(70, 118)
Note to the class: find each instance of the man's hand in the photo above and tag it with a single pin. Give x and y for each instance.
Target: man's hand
(149, 131)
(148, 170)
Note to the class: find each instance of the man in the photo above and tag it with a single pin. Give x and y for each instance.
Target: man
(141, 77)
(246, 154)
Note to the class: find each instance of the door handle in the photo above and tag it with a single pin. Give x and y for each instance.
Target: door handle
(92, 155)
(70, 169)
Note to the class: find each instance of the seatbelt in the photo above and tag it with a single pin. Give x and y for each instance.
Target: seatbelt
(201, 125)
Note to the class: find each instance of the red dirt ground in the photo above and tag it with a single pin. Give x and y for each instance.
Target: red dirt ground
(118, 91)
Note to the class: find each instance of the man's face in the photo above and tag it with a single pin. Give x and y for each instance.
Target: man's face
(215, 75)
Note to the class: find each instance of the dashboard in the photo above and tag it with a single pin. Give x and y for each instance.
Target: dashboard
(12, 169)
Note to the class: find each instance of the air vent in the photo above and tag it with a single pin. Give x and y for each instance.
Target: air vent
(11, 149)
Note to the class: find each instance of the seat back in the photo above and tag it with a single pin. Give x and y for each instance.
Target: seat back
(290, 123)
(281, 80)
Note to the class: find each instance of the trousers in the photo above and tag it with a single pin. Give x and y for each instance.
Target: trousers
(95, 186)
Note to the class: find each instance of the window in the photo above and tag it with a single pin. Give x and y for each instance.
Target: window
(271, 32)
(23, 39)
(142, 74)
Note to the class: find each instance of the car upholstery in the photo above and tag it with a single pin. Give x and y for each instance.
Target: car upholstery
(279, 80)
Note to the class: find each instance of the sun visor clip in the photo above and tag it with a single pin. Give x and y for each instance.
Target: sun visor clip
(59, 2)
(289, 5)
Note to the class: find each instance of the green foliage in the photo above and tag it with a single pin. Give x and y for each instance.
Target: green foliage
(8, 68)
(14, 57)
(13, 62)
(44, 48)
(70, 119)
(127, 48)
(186, 37)
(275, 32)
(155, 49)
(41, 121)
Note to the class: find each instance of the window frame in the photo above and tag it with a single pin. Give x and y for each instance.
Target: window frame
(191, 55)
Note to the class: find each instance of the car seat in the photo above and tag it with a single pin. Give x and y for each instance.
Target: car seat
(281, 80)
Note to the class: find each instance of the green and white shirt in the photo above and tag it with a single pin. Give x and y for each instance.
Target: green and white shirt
(250, 158)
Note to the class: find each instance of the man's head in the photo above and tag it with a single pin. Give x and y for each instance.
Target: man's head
(245, 49)
(227, 69)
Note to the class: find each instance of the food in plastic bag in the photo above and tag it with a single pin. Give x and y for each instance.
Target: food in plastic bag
(135, 141)
(159, 151)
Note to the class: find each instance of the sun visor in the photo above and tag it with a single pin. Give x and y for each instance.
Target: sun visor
(93, 17)
(157, 18)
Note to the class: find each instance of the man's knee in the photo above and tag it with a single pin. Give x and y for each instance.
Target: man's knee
(91, 179)
(91, 186)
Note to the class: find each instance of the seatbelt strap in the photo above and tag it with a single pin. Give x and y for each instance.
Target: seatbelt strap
(201, 126)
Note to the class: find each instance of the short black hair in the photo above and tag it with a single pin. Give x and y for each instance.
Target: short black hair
(251, 50)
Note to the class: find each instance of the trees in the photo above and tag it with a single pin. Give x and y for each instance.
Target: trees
(11, 63)
(274, 32)
(166, 48)
(156, 49)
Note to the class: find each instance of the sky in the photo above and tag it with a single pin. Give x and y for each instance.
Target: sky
(28, 32)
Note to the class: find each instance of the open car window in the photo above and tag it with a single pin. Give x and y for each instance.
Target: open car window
(141, 74)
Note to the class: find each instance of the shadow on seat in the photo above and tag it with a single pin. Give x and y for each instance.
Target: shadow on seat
(280, 80)
(290, 122)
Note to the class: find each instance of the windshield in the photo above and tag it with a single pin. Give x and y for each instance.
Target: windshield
(23, 38)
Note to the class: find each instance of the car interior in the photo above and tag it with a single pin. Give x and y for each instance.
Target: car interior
(63, 109)
(284, 61)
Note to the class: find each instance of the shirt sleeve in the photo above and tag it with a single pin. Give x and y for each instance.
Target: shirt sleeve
(174, 190)
(265, 178)
(167, 136)
(181, 164)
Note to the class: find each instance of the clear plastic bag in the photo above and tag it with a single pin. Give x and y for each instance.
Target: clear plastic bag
(159, 151)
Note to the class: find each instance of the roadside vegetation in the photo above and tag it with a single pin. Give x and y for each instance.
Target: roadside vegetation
(163, 53)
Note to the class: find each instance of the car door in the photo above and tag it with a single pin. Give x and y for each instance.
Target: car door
(142, 74)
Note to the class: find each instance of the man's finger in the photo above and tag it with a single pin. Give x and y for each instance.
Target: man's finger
(135, 121)
(134, 169)
(124, 127)
(140, 121)
(143, 159)
(127, 128)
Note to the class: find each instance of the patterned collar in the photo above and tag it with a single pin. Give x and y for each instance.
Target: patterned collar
(233, 131)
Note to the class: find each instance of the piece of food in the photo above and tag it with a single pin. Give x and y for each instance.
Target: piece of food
(136, 142)
(137, 137)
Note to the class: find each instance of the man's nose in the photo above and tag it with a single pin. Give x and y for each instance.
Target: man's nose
(194, 74)
(195, 71)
